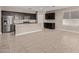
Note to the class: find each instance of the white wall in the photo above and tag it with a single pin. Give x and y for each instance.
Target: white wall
(41, 18)
(59, 19)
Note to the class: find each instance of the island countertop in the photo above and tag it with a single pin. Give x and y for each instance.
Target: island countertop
(27, 28)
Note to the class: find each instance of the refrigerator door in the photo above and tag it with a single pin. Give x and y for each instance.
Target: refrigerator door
(7, 22)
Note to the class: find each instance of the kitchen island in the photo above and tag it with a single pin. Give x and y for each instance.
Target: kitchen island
(25, 28)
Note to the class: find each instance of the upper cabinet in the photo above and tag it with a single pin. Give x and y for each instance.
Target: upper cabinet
(50, 16)
(19, 15)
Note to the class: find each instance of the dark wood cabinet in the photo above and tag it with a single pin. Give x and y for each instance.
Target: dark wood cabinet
(20, 15)
(50, 16)
(49, 25)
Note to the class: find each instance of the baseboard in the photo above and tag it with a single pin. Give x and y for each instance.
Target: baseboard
(27, 32)
(68, 30)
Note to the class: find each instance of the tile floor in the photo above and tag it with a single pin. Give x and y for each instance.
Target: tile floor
(48, 41)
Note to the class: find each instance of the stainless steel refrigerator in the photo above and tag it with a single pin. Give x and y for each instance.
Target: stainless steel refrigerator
(8, 24)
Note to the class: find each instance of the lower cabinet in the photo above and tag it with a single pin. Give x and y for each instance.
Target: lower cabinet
(49, 25)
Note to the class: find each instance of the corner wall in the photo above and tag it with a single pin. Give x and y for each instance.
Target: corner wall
(41, 18)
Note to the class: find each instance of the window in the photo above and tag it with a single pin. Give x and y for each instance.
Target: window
(71, 18)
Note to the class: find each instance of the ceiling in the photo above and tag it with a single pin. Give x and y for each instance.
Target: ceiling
(41, 8)
(34, 8)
